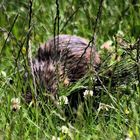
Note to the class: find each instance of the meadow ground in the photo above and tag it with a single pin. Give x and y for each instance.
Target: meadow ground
(114, 112)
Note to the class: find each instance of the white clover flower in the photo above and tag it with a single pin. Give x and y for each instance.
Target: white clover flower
(88, 93)
(3, 73)
(64, 129)
(120, 33)
(5, 35)
(129, 135)
(15, 104)
(63, 100)
(55, 138)
(127, 138)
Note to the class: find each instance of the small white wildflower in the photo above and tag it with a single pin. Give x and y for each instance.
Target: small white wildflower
(5, 35)
(3, 73)
(120, 33)
(127, 138)
(64, 129)
(55, 138)
(129, 135)
(15, 104)
(63, 100)
(88, 93)
(22, 9)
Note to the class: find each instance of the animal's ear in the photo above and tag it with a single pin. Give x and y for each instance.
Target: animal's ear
(40, 54)
(43, 53)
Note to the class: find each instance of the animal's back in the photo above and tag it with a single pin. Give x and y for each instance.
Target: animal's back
(64, 56)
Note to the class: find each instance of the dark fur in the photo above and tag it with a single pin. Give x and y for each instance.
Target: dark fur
(63, 59)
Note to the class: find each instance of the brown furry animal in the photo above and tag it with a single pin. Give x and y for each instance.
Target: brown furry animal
(65, 58)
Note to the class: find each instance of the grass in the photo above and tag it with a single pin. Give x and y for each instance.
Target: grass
(114, 112)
